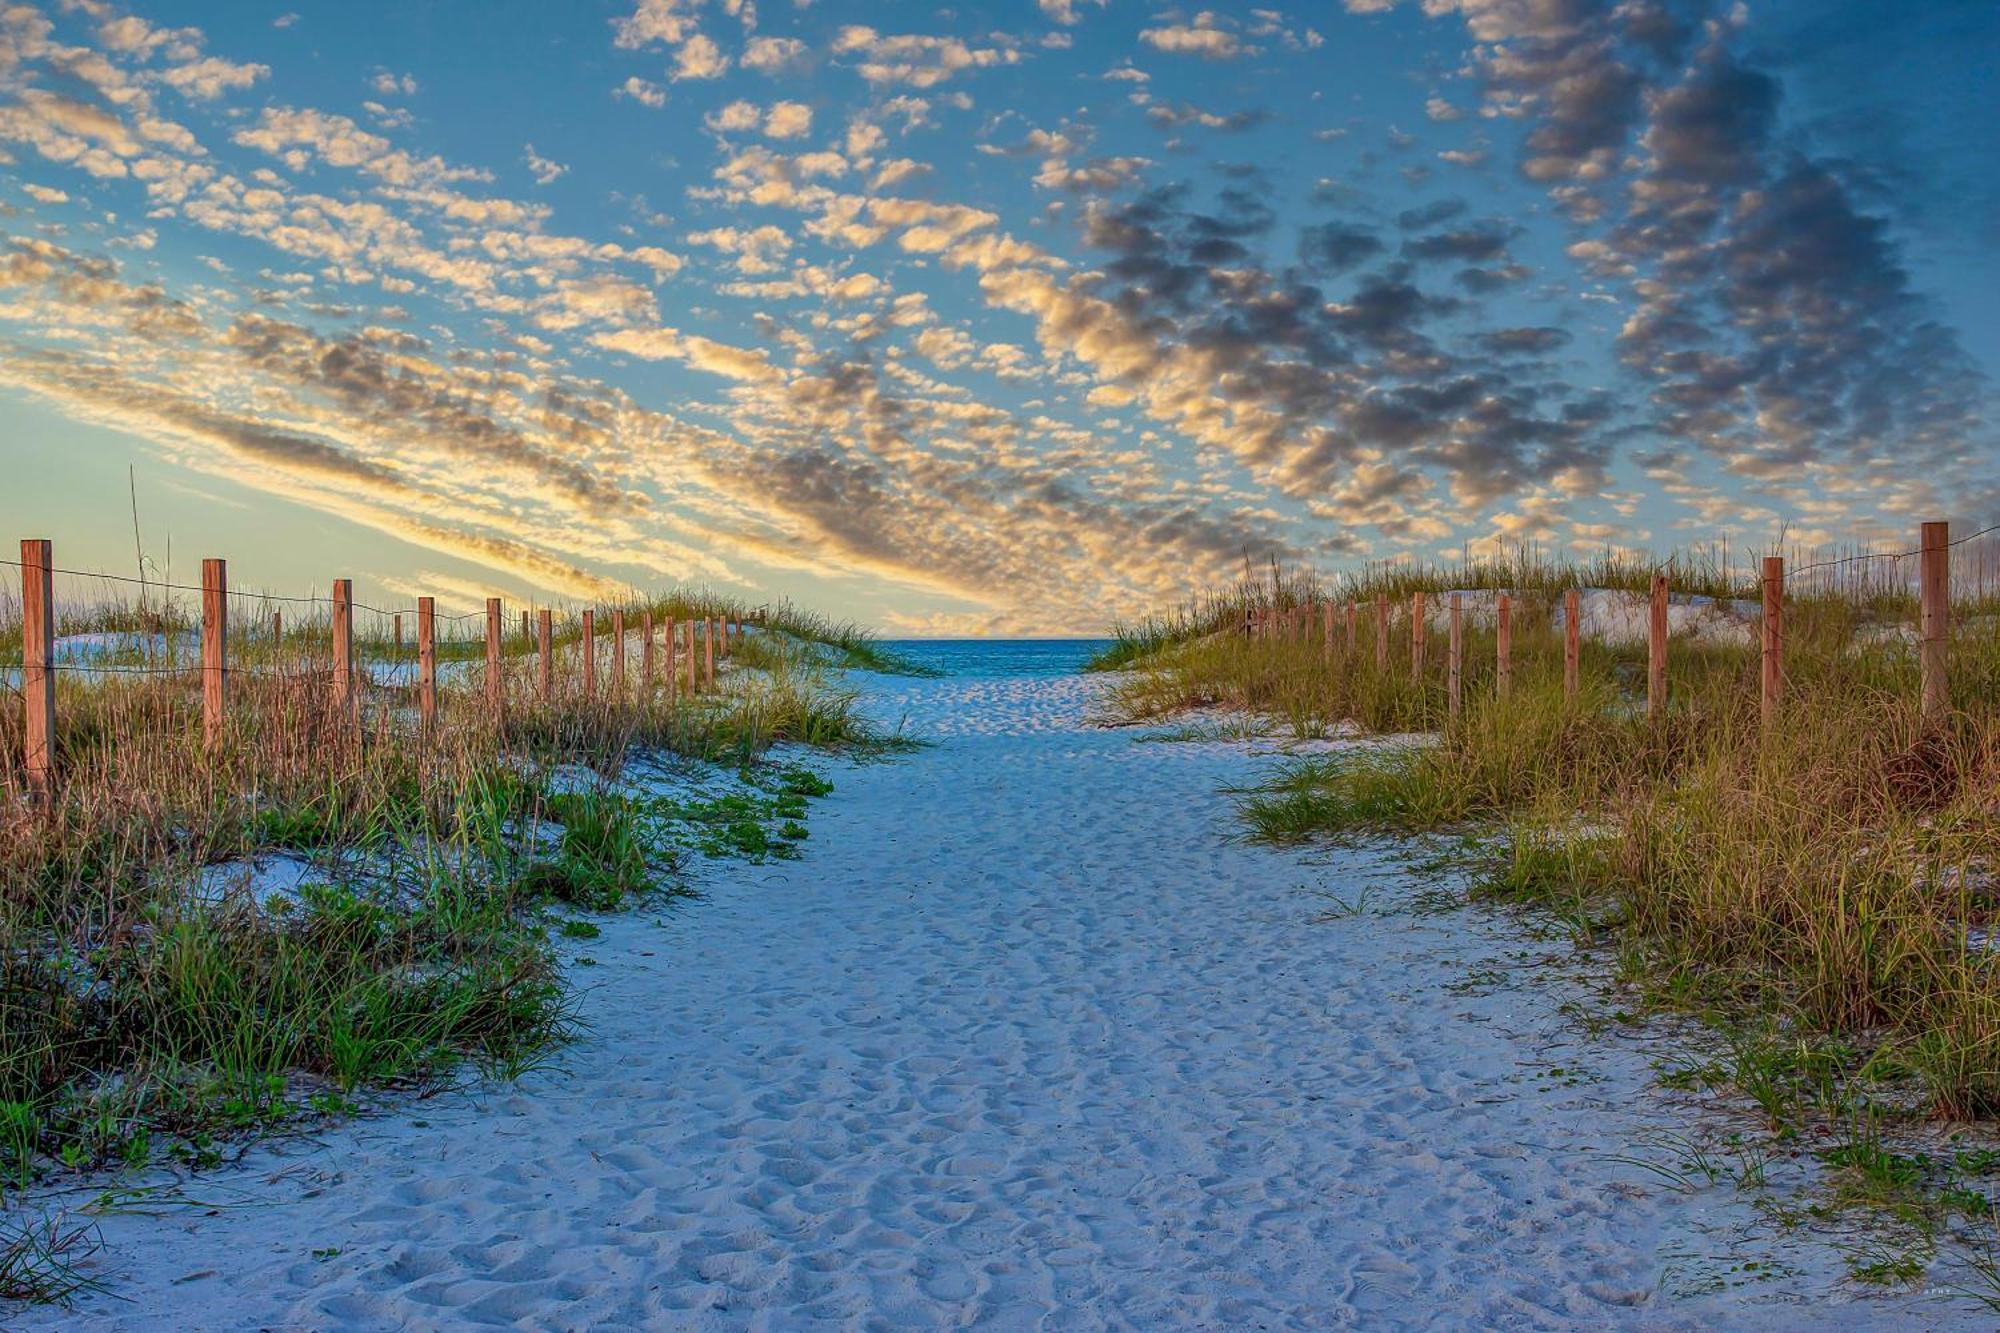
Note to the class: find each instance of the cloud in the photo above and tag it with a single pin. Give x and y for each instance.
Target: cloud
(210, 77)
(919, 61)
(699, 58)
(1205, 37)
(544, 171)
(642, 92)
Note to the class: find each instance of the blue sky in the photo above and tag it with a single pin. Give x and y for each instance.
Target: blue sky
(987, 318)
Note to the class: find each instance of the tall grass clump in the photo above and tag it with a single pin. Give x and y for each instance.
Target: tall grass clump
(159, 994)
(1837, 867)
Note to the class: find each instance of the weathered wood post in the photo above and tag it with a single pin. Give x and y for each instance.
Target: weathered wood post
(687, 628)
(1773, 636)
(399, 635)
(589, 655)
(1326, 629)
(494, 691)
(1656, 649)
(1419, 632)
(1382, 634)
(1503, 645)
(427, 661)
(668, 663)
(346, 700)
(1934, 617)
(1455, 672)
(1353, 616)
(646, 653)
(214, 649)
(38, 660)
(1572, 642)
(526, 636)
(545, 653)
(618, 652)
(708, 637)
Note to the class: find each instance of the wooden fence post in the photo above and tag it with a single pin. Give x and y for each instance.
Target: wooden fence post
(38, 660)
(618, 652)
(1656, 649)
(1382, 634)
(646, 652)
(1572, 632)
(1503, 645)
(345, 700)
(687, 629)
(1934, 617)
(1455, 670)
(1353, 615)
(493, 687)
(1774, 637)
(589, 655)
(545, 653)
(1419, 634)
(427, 685)
(214, 649)
(526, 636)
(668, 663)
(1326, 629)
(399, 635)
(708, 635)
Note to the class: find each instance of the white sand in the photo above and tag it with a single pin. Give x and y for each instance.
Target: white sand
(1025, 1041)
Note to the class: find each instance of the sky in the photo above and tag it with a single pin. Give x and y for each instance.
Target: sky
(986, 318)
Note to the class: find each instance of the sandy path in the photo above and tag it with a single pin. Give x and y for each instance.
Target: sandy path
(1025, 1042)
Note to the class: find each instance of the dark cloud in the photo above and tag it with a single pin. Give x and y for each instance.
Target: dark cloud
(1335, 247)
(1529, 341)
(1480, 243)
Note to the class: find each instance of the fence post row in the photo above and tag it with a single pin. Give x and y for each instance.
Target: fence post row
(427, 699)
(1773, 635)
(494, 692)
(38, 659)
(214, 650)
(1934, 616)
(1656, 649)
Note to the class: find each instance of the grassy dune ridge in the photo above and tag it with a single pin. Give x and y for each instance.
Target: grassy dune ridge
(158, 998)
(1822, 888)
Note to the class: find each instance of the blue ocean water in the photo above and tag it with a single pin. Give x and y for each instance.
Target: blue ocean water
(1000, 657)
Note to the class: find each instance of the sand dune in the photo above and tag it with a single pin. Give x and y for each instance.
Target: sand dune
(1026, 1041)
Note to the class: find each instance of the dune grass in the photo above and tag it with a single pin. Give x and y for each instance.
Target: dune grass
(156, 999)
(1837, 869)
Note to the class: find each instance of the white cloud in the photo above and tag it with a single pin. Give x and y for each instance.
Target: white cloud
(788, 120)
(699, 58)
(211, 77)
(544, 171)
(642, 92)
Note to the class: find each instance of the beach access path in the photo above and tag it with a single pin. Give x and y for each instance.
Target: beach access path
(1028, 1039)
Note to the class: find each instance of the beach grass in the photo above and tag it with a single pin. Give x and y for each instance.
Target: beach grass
(162, 997)
(1837, 869)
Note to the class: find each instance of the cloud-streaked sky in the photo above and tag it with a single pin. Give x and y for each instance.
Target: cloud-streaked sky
(989, 317)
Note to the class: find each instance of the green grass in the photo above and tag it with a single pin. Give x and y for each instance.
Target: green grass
(146, 1015)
